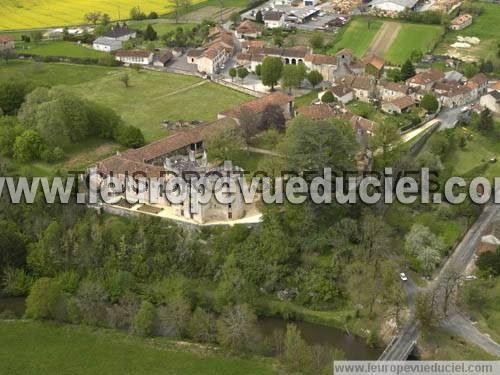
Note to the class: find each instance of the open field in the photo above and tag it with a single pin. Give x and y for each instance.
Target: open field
(46, 348)
(485, 27)
(413, 37)
(357, 36)
(383, 39)
(26, 14)
(154, 96)
(58, 48)
(161, 27)
(52, 74)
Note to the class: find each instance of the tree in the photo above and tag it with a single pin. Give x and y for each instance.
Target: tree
(272, 116)
(176, 5)
(202, 326)
(224, 142)
(424, 245)
(416, 56)
(489, 262)
(9, 129)
(258, 70)
(130, 136)
(7, 54)
(235, 18)
(317, 41)
(485, 123)
(36, 36)
(144, 321)
(249, 124)
(385, 136)
(242, 73)
(137, 14)
(91, 300)
(150, 33)
(271, 70)
(407, 70)
(258, 17)
(327, 97)
(236, 328)
(470, 70)
(28, 146)
(426, 309)
(125, 79)
(297, 355)
(12, 93)
(448, 283)
(153, 15)
(13, 239)
(92, 17)
(315, 78)
(278, 40)
(291, 77)
(186, 4)
(233, 73)
(44, 298)
(429, 103)
(394, 75)
(174, 317)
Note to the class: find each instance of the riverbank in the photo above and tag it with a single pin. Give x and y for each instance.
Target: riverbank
(50, 348)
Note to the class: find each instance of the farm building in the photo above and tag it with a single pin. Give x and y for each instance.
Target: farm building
(135, 57)
(399, 105)
(106, 44)
(274, 19)
(248, 29)
(393, 5)
(121, 33)
(162, 60)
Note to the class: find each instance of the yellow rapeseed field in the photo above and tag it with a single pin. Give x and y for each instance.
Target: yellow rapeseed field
(26, 14)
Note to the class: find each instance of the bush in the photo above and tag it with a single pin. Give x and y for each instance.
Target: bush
(202, 326)
(16, 282)
(44, 299)
(118, 283)
(130, 136)
(328, 97)
(69, 281)
(174, 317)
(144, 321)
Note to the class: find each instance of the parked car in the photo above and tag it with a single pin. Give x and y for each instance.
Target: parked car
(403, 276)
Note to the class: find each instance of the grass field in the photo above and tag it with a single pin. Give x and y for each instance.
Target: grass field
(45, 348)
(154, 96)
(357, 36)
(26, 14)
(52, 74)
(485, 27)
(410, 38)
(159, 26)
(59, 48)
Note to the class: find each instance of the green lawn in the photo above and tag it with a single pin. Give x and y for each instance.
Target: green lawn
(484, 27)
(410, 38)
(156, 96)
(372, 113)
(357, 36)
(52, 74)
(59, 49)
(160, 26)
(46, 348)
(306, 99)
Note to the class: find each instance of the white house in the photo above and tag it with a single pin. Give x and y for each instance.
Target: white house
(274, 19)
(135, 57)
(106, 44)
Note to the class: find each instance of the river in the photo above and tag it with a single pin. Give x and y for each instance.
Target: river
(353, 346)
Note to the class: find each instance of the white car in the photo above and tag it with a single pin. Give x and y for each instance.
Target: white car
(403, 276)
(470, 277)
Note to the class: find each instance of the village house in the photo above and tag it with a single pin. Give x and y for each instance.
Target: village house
(399, 105)
(214, 54)
(374, 66)
(139, 57)
(6, 43)
(107, 44)
(425, 80)
(324, 64)
(316, 111)
(257, 106)
(461, 22)
(173, 156)
(389, 91)
(274, 19)
(456, 96)
(363, 128)
(162, 60)
(246, 45)
(342, 93)
(177, 51)
(364, 87)
(482, 83)
(248, 29)
(454, 76)
(491, 101)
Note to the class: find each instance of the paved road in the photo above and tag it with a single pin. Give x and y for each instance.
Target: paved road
(462, 326)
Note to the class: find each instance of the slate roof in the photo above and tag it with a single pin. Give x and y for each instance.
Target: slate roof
(118, 33)
(272, 16)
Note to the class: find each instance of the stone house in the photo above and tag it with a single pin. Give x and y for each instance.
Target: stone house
(491, 101)
(391, 90)
(248, 29)
(364, 87)
(162, 60)
(399, 105)
(324, 64)
(342, 93)
(425, 80)
(210, 58)
(374, 66)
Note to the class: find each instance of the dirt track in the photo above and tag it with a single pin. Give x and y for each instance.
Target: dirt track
(383, 39)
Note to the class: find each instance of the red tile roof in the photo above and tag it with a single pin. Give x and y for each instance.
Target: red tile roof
(321, 59)
(316, 111)
(5, 39)
(403, 102)
(376, 62)
(248, 27)
(259, 105)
